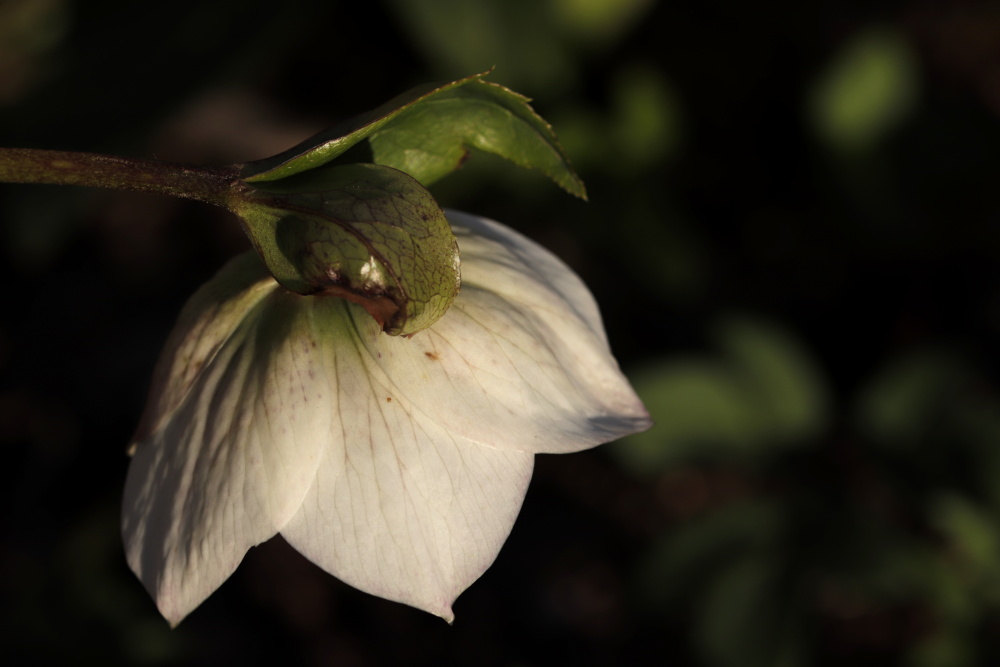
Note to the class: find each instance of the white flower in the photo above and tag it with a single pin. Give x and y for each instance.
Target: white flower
(397, 465)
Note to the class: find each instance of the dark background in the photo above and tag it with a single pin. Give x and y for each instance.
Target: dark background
(793, 235)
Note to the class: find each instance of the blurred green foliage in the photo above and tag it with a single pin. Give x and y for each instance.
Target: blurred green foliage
(791, 233)
(763, 392)
(868, 89)
(798, 550)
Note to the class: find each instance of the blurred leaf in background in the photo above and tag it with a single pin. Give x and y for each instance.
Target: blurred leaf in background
(884, 537)
(537, 45)
(761, 392)
(868, 88)
(30, 33)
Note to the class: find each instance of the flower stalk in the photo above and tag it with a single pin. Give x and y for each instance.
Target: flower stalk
(29, 165)
(368, 233)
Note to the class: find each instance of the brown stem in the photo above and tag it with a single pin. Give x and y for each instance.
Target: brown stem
(28, 165)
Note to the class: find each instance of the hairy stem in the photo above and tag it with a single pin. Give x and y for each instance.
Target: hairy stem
(28, 165)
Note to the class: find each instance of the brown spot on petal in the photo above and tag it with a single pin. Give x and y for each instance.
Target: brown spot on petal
(432, 355)
(388, 399)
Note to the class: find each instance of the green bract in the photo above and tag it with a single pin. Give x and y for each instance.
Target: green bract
(364, 232)
(371, 233)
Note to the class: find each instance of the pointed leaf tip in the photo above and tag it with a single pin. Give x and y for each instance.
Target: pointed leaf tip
(430, 140)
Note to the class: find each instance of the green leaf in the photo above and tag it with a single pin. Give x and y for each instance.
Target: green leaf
(745, 618)
(682, 562)
(868, 89)
(701, 411)
(779, 375)
(428, 132)
(973, 537)
(432, 139)
(367, 233)
(760, 394)
(913, 398)
(331, 143)
(372, 233)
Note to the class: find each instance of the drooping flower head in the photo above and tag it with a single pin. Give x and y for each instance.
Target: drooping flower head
(396, 464)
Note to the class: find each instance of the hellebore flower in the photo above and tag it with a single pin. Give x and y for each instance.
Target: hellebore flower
(395, 464)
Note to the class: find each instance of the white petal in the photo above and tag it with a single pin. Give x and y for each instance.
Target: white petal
(405, 510)
(520, 361)
(230, 462)
(498, 258)
(208, 318)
